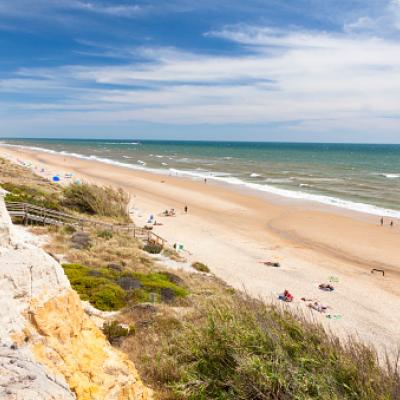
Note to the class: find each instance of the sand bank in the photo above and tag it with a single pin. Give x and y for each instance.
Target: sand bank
(232, 231)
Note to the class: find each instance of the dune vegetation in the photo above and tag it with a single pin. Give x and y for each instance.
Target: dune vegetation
(85, 198)
(108, 289)
(235, 347)
(189, 334)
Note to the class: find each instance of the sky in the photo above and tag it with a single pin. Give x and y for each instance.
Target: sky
(265, 70)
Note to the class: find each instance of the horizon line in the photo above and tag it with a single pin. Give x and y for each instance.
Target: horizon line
(196, 140)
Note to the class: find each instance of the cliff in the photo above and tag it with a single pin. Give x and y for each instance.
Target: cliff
(49, 348)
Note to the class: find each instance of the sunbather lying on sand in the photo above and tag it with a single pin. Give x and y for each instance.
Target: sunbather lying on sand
(327, 287)
(270, 263)
(286, 296)
(318, 306)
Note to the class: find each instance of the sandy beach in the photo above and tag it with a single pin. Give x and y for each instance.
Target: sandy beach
(233, 231)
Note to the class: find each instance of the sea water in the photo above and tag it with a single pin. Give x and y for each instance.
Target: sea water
(361, 177)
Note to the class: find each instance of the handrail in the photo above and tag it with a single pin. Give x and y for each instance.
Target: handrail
(53, 217)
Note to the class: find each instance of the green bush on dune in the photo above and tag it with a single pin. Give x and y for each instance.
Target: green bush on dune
(108, 289)
(97, 200)
(115, 331)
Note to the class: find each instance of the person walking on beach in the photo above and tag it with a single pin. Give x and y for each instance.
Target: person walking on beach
(186, 209)
(391, 224)
(381, 221)
(205, 180)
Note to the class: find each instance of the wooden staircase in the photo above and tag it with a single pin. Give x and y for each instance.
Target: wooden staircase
(31, 213)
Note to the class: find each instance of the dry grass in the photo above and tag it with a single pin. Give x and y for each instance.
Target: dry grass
(19, 175)
(97, 200)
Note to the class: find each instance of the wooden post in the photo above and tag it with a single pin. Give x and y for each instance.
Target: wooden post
(25, 214)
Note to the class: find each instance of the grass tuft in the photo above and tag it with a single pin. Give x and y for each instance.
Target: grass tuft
(97, 200)
(199, 266)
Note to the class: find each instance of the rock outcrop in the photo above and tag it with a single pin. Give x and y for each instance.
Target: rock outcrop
(49, 348)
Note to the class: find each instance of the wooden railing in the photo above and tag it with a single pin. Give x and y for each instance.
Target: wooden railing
(31, 213)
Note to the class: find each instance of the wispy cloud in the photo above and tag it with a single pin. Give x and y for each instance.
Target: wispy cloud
(118, 10)
(307, 76)
(44, 8)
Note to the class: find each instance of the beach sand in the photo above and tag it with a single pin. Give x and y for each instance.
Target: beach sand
(232, 231)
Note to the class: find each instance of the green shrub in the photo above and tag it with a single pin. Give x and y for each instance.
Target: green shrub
(108, 297)
(109, 289)
(153, 248)
(105, 234)
(69, 229)
(114, 331)
(199, 266)
(97, 200)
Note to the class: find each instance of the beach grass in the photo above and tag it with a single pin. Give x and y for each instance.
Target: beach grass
(235, 347)
(92, 199)
(25, 186)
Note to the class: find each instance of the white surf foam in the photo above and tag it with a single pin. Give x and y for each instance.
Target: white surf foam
(391, 176)
(133, 143)
(299, 195)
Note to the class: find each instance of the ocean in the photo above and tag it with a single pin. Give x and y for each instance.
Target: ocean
(361, 177)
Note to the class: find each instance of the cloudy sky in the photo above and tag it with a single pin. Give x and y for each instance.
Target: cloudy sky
(281, 70)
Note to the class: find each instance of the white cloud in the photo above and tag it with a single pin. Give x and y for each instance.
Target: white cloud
(119, 10)
(323, 81)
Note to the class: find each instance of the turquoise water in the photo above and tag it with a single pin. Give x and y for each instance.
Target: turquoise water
(353, 176)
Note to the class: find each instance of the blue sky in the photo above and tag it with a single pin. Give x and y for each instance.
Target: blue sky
(285, 70)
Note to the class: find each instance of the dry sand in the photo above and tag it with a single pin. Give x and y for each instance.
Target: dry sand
(232, 231)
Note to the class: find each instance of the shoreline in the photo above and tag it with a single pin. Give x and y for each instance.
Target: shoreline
(233, 232)
(267, 192)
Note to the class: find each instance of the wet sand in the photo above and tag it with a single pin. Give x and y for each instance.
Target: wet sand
(233, 230)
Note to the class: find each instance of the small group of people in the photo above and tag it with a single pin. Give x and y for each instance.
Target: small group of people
(172, 212)
(169, 213)
(383, 222)
(315, 304)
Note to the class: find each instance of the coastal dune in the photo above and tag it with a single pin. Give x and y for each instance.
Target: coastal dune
(234, 231)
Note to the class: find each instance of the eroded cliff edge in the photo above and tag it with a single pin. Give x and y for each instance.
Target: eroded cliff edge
(49, 348)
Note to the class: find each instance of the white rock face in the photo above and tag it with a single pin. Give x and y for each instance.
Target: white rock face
(49, 348)
(24, 273)
(5, 223)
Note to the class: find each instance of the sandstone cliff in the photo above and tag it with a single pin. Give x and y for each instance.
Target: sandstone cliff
(49, 348)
